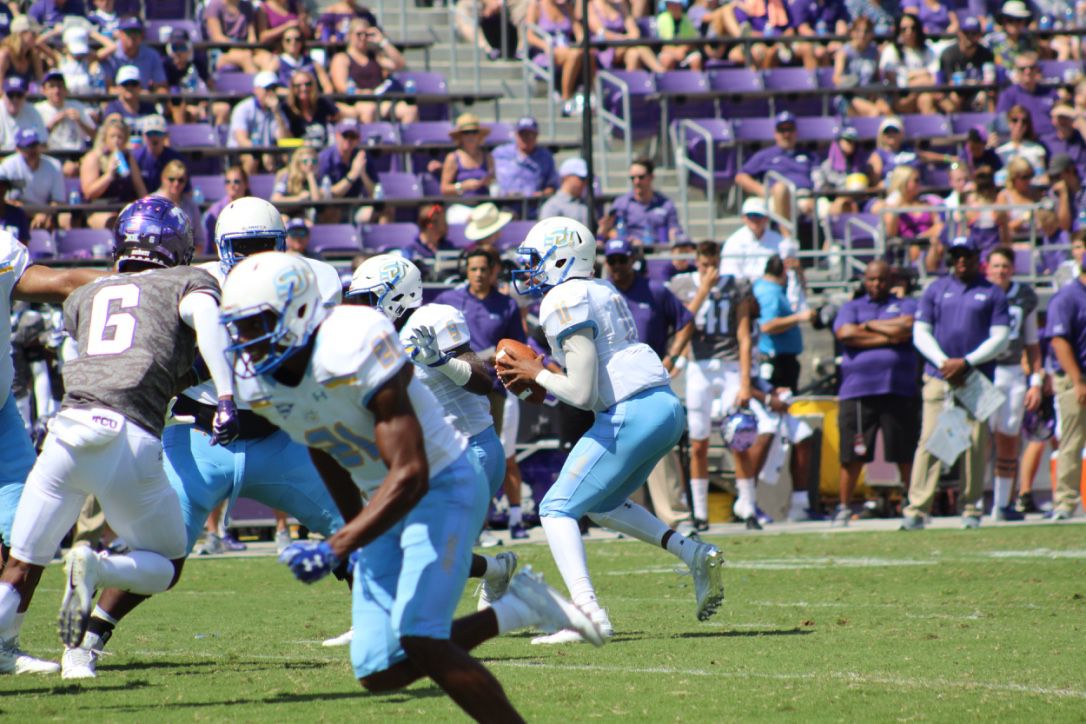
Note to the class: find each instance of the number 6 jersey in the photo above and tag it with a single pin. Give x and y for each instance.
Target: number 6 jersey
(135, 352)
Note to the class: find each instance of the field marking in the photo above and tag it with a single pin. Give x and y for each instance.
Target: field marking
(1037, 553)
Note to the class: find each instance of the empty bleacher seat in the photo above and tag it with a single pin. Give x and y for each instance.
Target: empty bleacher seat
(334, 240)
(383, 237)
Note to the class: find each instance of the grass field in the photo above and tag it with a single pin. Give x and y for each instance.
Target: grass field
(936, 625)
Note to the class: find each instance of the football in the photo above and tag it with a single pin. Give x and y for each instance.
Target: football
(530, 391)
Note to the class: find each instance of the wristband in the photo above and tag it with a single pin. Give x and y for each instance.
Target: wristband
(1037, 379)
(457, 370)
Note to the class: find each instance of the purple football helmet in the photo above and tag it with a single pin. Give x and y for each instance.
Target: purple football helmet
(740, 430)
(1040, 425)
(153, 231)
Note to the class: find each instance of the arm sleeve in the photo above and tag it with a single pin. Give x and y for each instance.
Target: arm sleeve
(200, 311)
(578, 386)
(1030, 332)
(925, 343)
(998, 335)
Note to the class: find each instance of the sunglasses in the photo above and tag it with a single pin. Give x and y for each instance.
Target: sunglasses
(309, 161)
(233, 182)
(176, 179)
(638, 176)
(298, 231)
(469, 133)
(786, 129)
(1024, 177)
(304, 84)
(16, 95)
(154, 134)
(130, 84)
(1027, 68)
(1017, 120)
(618, 259)
(293, 39)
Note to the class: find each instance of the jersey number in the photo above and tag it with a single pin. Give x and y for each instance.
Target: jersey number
(713, 317)
(113, 333)
(622, 312)
(1016, 322)
(349, 449)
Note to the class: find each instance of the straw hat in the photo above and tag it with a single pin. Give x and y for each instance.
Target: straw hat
(468, 122)
(486, 219)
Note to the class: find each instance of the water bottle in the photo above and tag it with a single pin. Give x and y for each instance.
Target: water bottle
(620, 226)
(213, 56)
(1045, 23)
(191, 82)
(198, 195)
(98, 81)
(378, 192)
(1069, 17)
(409, 86)
(822, 28)
(352, 87)
(123, 169)
(75, 198)
(326, 187)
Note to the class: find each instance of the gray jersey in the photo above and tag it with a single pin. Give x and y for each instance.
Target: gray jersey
(135, 352)
(717, 320)
(1021, 303)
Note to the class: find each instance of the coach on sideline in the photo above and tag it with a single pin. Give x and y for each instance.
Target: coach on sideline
(878, 381)
(962, 323)
(1066, 328)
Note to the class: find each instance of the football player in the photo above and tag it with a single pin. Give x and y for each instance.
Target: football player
(262, 463)
(339, 382)
(135, 331)
(638, 418)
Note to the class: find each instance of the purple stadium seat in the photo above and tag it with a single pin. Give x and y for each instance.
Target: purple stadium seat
(724, 157)
(400, 185)
(381, 237)
(867, 127)
(159, 29)
(921, 126)
(1056, 71)
(425, 132)
(234, 82)
(962, 122)
(70, 185)
(186, 135)
(167, 10)
(1022, 262)
(426, 82)
(685, 81)
(753, 130)
(730, 81)
(512, 234)
(213, 186)
(373, 135)
(933, 175)
(82, 243)
(455, 236)
(261, 185)
(41, 245)
(824, 77)
(647, 26)
(335, 240)
(500, 132)
(819, 129)
(784, 80)
(644, 115)
(861, 238)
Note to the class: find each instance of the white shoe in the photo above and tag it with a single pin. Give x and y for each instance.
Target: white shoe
(568, 636)
(553, 612)
(79, 663)
(344, 639)
(212, 545)
(487, 539)
(708, 581)
(14, 660)
(282, 540)
(495, 587)
(81, 570)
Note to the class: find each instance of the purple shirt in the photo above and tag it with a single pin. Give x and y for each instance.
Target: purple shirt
(1067, 319)
(235, 21)
(961, 314)
(489, 320)
(1075, 147)
(795, 165)
(657, 313)
(15, 220)
(1039, 104)
(520, 174)
(52, 12)
(145, 108)
(151, 167)
(653, 222)
(148, 61)
(887, 370)
(813, 11)
(333, 166)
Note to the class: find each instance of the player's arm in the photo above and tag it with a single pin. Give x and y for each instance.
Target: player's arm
(746, 350)
(1031, 361)
(341, 487)
(400, 445)
(679, 344)
(478, 380)
(578, 386)
(45, 284)
(200, 311)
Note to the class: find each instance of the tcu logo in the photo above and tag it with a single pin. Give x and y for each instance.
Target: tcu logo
(105, 422)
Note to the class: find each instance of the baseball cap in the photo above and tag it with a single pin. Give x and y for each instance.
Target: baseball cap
(616, 247)
(15, 84)
(77, 40)
(25, 137)
(1016, 9)
(848, 133)
(178, 40)
(1059, 163)
(977, 133)
(527, 123)
(348, 125)
(962, 245)
(53, 75)
(970, 25)
(154, 124)
(755, 206)
(265, 79)
(891, 122)
(784, 117)
(573, 167)
(127, 74)
(297, 224)
(130, 22)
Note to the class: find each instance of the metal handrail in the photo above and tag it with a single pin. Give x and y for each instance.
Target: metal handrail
(605, 117)
(686, 165)
(533, 71)
(848, 259)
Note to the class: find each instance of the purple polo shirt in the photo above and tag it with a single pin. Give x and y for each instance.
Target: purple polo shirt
(52, 12)
(489, 320)
(151, 167)
(657, 313)
(961, 314)
(1074, 146)
(1039, 104)
(652, 222)
(332, 165)
(1067, 319)
(152, 71)
(527, 175)
(812, 11)
(795, 165)
(877, 370)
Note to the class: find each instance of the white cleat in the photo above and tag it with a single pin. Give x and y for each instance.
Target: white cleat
(282, 540)
(79, 663)
(568, 636)
(14, 660)
(212, 545)
(708, 579)
(344, 639)
(554, 613)
(81, 571)
(495, 587)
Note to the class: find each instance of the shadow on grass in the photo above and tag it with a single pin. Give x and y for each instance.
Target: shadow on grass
(742, 634)
(69, 689)
(200, 667)
(399, 697)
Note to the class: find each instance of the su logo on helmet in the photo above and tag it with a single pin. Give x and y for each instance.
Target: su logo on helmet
(561, 237)
(291, 282)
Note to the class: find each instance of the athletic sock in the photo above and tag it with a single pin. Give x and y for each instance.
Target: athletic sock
(492, 567)
(10, 618)
(681, 547)
(515, 516)
(699, 497)
(141, 572)
(1001, 496)
(567, 548)
(99, 630)
(745, 503)
(631, 519)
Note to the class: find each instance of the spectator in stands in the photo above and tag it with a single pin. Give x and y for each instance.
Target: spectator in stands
(298, 235)
(227, 21)
(907, 61)
(964, 62)
(486, 223)
(174, 180)
(1065, 138)
(105, 17)
(758, 19)
(129, 103)
(52, 12)
(258, 121)
(1065, 189)
(469, 168)
(1079, 104)
(916, 229)
(275, 17)
(878, 382)
(1014, 18)
(935, 16)
(962, 324)
(781, 340)
(672, 24)
(68, 122)
(1066, 328)
(747, 250)
(153, 154)
(1019, 191)
(82, 69)
(236, 183)
(364, 66)
(958, 180)
(132, 51)
(522, 166)
(187, 75)
(488, 15)
(845, 169)
(16, 113)
(557, 19)
(682, 257)
(38, 179)
(294, 56)
(783, 157)
(432, 238)
(22, 54)
(1051, 235)
(342, 171)
(567, 201)
(105, 177)
(298, 181)
(818, 17)
(334, 23)
(308, 114)
(12, 218)
(612, 20)
(857, 64)
(889, 152)
(977, 151)
(881, 18)
(1023, 140)
(1028, 93)
(644, 216)
(987, 228)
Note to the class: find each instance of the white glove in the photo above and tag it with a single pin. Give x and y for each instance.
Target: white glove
(426, 351)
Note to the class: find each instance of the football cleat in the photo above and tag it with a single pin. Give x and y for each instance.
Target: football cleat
(495, 587)
(1009, 513)
(912, 522)
(232, 544)
(553, 612)
(842, 517)
(568, 636)
(708, 579)
(212, 545)
(344, 639)
(1056, 515)
(487, 539)
(81, 571)
(79, 663)
(282, 540)
(970, 522)
(14, 660)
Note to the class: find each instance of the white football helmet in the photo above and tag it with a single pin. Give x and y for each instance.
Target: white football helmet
(388, 282)
(248, 225)
(271, 305)
(555, 250)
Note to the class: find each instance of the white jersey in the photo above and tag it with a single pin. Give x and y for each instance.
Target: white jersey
(331, 289)
(356, 352)
(14, 259)
(626, 366)
(467, 412)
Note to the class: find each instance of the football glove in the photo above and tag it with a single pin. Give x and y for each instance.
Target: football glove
(309, 561)
(226, 426)
(426, 350)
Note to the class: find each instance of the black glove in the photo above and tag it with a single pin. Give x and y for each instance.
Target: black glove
(227, 426)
